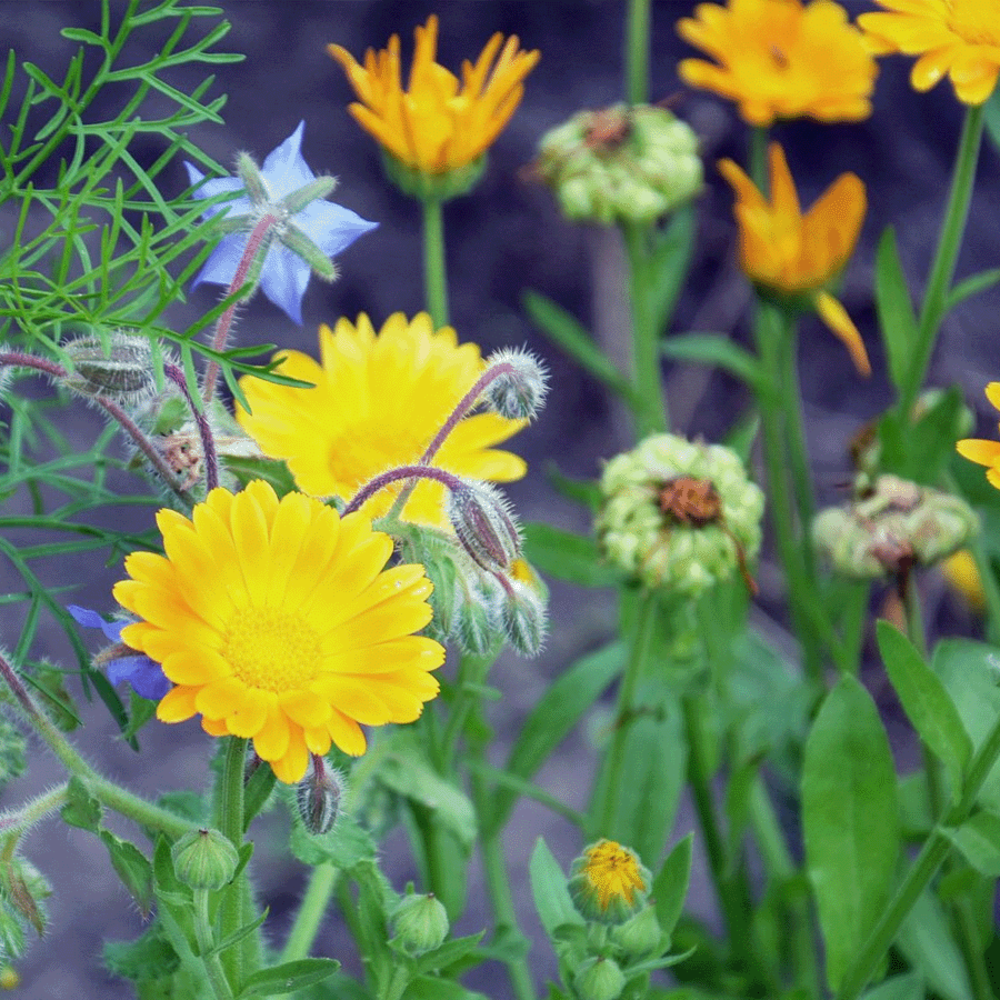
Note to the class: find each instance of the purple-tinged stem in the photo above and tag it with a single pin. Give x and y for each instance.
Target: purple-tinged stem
(204, 429)
(17, 359)
(256, 240)
(447, 479)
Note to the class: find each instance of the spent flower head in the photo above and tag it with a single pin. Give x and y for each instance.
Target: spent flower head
(781, 59)
(797, 256)
(621, 164)
(277, 622)
(302, 233)
(436, 132)
(955, 38)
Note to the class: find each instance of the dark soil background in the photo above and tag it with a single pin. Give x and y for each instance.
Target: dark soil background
(505, 238)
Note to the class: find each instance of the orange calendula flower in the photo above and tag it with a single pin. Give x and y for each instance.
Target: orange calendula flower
(781, 59)
(379, 400)
(276, 621)
(794, 254)
(985, 452)
(440, 123)
(956, 38)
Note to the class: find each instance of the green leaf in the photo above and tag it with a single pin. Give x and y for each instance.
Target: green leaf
(906, 987)
(133, 869)
(973, 285)
(978, 838)
(548, 888)
(81, 809)
(926, 702)
(148, 957)
(344, 845)
(921, 450)
(435, 988)
(671, 885)
(450, 953)
(567, 332)
(926, 940)
(561, 707)
(238, 935)
(850, 819)
(897, 320)
(288, 977)
(567, 556)
(718, 350)
(667, 266)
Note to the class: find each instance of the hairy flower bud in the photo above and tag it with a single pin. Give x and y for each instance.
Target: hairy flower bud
(318, 797)
(523, 612)
(204, 859)
(621, 164)
(419, 923)
(477, 624)
(484, 524)
(519, 391)
(679, 515)
(121, 370)
(23, 894)
(599, 979)
(897, 523)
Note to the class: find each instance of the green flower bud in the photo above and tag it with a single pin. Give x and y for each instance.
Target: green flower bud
(621, 164)
(121, 369)
(433, 187)
(523, 612)
(477, 617)
(679, 515)
(640, 935)
(204, 859)
(420, 923)
(896, 524)
(23, 894)
(517, 393)
(608, 883)
(318, 797)
(599, 979)
(484, 524)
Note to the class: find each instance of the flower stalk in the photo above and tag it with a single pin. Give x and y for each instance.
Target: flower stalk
(435, 266)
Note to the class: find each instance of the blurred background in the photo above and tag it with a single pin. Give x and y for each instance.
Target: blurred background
(503, 239)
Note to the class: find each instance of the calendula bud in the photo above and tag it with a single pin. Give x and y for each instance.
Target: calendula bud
(523, 612)
(122, 370)
(419, 923)
(621, 164)
(318, 797)
(599, 979)
(609, 883)
(679, 515)
(897, 523)
(484, 525)
(204, 859)
(519, 387)
(640, 935)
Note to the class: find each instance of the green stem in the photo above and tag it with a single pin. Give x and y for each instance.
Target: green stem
(312, 909)
(605, 808)
(21, 820)
(758, 158)
(646, 370)
(928, 861)
(949, 243)
(206, 944)
(637, 52)
(435, 272)
(229, 820)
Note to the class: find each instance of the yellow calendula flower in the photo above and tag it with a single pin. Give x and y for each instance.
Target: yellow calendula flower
(609, 883)
(985, 452)
(276, 621)
(781, 59)
(439, 123)
(962, 574)
(379, 400)
(956, 38)
(793, 254)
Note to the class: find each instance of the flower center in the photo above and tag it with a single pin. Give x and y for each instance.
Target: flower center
(270, 649)
(975, 21)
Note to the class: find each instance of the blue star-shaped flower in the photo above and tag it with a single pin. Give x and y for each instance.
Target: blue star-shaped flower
(145, 675)
(328, 227)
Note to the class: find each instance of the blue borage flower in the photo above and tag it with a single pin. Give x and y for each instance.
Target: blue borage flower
(278, 187)
(145, 676)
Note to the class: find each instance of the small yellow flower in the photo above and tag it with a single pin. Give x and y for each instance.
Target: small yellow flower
(276, 621)
(962, 574)
(379, 400)
(780, 59)
(439, 124)
(608, 883)
(985, 452)
(957, 38)
(794, 254)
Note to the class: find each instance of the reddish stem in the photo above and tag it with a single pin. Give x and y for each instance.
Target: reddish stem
(372, 487)
(204, 429)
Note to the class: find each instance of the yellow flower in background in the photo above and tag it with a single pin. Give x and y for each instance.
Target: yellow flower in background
(962, 574)
(440, 123)
(985, 452)
(794, 254)
(780, 59)
(379, 400)
(276, 621)
(957, 38)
